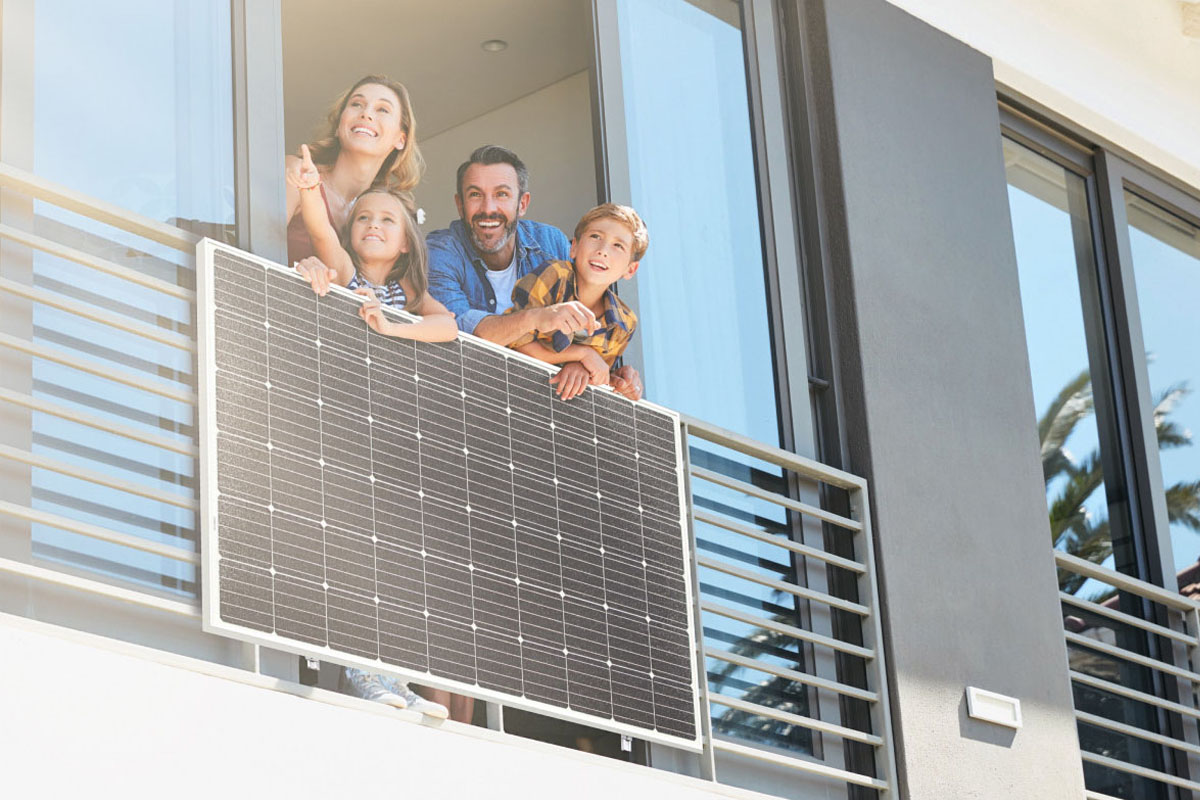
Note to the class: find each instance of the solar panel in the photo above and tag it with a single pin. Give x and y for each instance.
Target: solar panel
(434, 511)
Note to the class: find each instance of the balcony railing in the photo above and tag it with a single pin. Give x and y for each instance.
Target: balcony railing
(98, 406)
(1131, 654)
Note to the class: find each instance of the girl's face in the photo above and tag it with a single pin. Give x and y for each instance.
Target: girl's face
(377, 230)
(372, 121)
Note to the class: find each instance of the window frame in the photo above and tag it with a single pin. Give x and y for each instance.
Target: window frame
(1124, 399)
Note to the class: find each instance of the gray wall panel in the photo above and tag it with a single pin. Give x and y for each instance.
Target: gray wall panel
(939, 407)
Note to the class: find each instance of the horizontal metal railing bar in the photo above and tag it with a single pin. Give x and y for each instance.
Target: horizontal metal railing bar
(1129, 655)
(100, 423)
(30, 184)
(96, 532)
(91, 367)
(144, 599)
(778, 499)
(802, 765)
(1140, 771)
(795, 719)
(95, 262)
(793, 675)
(778, 456)
(112, 320)
(1090, 795)
(1124, 582)
(782, 586)
(801, 549)
(1134, 694)
(1133, 730)
(788, 630)
(1128, 619)
(100, 478)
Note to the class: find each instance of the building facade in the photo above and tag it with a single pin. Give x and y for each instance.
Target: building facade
(920, 284)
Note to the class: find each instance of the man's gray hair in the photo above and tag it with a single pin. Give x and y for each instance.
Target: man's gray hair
(495, 154)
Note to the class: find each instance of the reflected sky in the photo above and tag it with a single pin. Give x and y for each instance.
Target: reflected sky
(701, 290)
(132, 104)
(1041, 196)
(1166, 262)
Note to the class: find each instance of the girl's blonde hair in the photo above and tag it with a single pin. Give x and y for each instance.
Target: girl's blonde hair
(413, 264)
(402, 168)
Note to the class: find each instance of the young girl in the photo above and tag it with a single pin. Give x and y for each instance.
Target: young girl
(382, 256)
(370, 139)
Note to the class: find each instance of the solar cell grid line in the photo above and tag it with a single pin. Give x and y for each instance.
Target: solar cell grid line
(433, 511)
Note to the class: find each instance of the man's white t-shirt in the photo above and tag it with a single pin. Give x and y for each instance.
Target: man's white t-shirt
(503, 281)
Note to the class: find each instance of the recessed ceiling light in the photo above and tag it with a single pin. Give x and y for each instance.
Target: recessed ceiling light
(494, 45)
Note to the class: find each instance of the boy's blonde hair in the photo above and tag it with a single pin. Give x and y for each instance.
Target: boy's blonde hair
(624, 215)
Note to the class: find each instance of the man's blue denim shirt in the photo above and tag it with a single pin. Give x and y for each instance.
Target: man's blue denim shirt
(457, 275)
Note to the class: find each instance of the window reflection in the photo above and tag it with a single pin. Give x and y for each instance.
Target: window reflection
(1166, 265)
(701, 290)
(156, 103)
(1052, 230)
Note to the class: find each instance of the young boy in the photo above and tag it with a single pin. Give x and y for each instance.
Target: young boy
(608, 245)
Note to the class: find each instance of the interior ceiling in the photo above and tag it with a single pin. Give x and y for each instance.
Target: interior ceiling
(433, 48)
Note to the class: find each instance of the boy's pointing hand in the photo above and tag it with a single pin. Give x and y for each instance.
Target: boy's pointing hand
(567, 317)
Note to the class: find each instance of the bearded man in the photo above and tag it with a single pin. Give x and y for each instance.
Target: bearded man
(474, 264)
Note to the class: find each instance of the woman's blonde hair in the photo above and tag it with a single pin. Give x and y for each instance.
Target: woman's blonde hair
(413, 264)
(402, 168)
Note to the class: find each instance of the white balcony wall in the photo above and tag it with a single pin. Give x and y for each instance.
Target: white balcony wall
(86, 716)
(1123, 70)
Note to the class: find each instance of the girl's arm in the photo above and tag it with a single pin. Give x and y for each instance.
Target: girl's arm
(304, 176)
(436, 325)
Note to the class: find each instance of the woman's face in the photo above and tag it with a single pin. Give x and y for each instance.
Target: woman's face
(371, 122)
(377, 230)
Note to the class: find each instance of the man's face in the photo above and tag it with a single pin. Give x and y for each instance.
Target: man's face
(490, 205)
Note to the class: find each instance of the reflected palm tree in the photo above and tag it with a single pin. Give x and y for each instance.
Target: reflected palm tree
(781, 694)
(1073, 528)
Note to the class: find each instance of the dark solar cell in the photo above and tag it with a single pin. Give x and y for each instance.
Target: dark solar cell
(435, 508)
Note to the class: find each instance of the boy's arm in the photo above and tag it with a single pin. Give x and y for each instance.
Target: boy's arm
(589, 358)
(505, 329)
(535, 311)
(316, 218)
(626, 381)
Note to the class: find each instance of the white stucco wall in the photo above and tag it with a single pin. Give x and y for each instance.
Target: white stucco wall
(1121, 68)
(84, 716)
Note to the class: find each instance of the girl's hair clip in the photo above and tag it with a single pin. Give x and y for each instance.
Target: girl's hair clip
(420, 216)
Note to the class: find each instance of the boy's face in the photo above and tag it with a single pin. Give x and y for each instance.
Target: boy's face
(603, 253)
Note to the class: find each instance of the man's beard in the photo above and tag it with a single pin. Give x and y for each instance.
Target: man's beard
(510, 227)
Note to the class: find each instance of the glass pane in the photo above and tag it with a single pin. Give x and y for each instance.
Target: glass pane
(1052, 230)
(148, 125)
(1166, 265)
(156, 139)
(704, 326)
(701, 289)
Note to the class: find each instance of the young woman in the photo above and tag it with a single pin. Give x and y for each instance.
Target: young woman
(370, 140)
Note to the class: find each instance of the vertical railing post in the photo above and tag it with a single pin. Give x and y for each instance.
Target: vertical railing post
(881, 712)
(708, 765)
